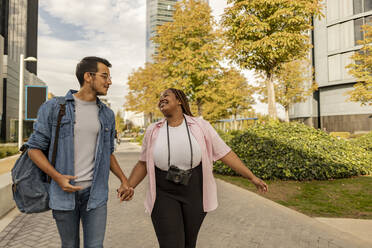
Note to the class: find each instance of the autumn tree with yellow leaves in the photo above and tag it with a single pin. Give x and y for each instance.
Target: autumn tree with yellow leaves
(361, 69)
(119, 122)
(145, 85)
(266, 34)
(188, 55)
(292, 84)
(189, 50)
(234, 96)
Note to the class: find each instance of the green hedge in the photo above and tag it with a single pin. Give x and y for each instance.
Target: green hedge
(294, 151)
(139, 139)
(6, 151)
(364, 141)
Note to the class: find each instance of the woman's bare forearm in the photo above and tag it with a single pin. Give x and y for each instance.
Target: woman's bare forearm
(118, 172)
(138, 174)
(234, 162)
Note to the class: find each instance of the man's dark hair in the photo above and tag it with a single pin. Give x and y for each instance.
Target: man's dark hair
(181, 96)
(89, 64)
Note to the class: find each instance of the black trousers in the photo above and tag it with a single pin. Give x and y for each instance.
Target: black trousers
(178, 211)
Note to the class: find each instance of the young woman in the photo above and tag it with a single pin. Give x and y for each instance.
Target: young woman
(178, 154)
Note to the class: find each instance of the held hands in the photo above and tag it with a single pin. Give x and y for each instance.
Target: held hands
(64, 182)
(125, 192)
(260, 185)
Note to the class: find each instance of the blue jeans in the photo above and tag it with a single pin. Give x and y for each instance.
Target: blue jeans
(94, 223)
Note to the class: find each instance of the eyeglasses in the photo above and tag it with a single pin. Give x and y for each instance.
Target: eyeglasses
(103, 75)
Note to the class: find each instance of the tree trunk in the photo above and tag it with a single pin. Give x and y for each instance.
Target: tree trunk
(235, 123)
(286, 114)
(271, 97)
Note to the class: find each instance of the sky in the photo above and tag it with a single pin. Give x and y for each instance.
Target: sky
(112, 29)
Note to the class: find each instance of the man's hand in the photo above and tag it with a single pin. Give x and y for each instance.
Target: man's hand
(64, 182)
(125, 192)
(260, 185)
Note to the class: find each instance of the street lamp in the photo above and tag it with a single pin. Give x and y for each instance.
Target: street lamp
(21, 83)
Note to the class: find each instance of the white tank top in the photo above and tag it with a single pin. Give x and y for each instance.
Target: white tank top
(180, 154)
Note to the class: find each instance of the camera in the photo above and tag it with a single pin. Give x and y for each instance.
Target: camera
(178, 175)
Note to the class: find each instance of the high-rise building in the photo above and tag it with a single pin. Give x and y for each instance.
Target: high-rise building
(158, 12)
(18, 30)
(335, 39)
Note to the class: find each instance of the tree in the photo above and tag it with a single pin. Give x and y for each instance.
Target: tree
(233, 97)
(361, 69)
(265, 34)
(119, 122)
(189, 50)
(145, 85)
(293, 84)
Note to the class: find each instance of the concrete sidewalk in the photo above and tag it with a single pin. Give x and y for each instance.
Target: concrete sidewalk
(6, 164)
(243, 220)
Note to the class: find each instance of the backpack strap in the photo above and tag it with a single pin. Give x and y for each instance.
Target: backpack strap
(62, 110)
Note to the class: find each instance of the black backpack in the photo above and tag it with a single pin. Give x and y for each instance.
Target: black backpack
(30, 184)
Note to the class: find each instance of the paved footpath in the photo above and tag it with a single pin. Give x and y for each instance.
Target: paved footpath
(243, 220)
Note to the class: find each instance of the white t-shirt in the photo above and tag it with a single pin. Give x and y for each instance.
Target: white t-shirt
(180, 154)
(86, 130)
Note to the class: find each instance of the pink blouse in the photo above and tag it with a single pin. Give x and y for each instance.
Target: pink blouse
(212, 146)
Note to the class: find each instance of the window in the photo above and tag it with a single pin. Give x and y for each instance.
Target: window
(368, 20)
(367, 5)
(358, 6)
(358, 34)
(361, 6)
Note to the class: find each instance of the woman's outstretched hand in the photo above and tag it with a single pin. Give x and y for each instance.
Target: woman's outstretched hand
(260, 184)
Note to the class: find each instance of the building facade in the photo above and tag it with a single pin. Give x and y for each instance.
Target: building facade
(18, 30)
(335, 39)
(158, 12)
(137, 119)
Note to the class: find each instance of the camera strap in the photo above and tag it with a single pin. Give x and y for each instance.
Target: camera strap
(188, 133)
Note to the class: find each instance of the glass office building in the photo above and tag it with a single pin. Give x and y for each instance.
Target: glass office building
(18, 27)
(158, 12)
(335, 39)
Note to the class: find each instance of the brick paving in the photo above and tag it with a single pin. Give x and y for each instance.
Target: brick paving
(243, 220)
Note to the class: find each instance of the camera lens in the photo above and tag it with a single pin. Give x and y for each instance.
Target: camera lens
(177, 178)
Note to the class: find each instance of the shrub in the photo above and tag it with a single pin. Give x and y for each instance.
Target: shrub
(139, 138)
(294, 151)
(344, 135)
(364, 141)
(228, 136)
(6, 151)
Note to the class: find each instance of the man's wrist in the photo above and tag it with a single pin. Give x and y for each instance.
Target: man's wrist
(124, 182)
(56, 176)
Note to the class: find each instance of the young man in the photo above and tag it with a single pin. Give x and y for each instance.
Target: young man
(79, 186)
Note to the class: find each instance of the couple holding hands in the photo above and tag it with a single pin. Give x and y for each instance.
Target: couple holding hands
(177, 155)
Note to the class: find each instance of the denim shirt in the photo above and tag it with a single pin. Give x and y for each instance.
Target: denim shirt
(43, 139)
